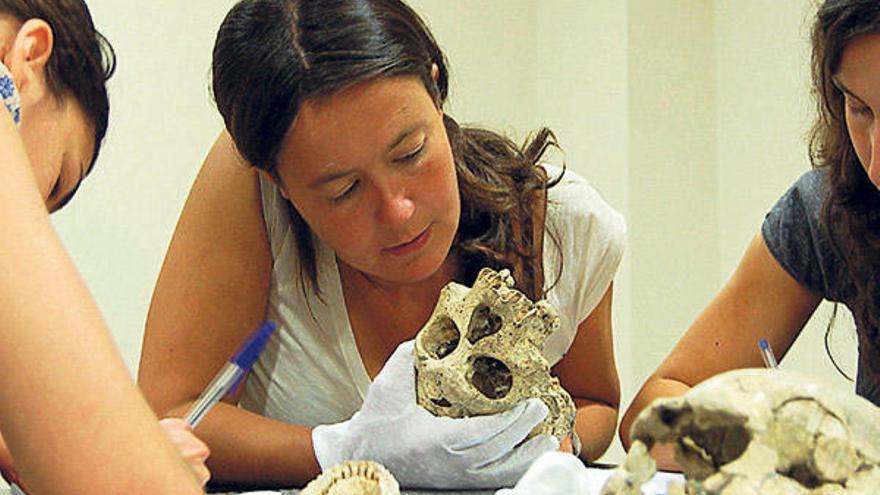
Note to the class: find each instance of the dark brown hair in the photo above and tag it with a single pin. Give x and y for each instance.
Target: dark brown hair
(851, 213)
(272, 55)
(82, 59)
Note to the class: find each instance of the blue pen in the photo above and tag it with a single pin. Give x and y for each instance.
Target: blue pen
(767, 354)
(231, 373)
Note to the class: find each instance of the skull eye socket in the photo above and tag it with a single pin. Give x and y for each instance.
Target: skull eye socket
(491, 377)
(483, 324)
(441, 338)
(669, 416)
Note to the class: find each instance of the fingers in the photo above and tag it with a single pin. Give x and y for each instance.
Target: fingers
(492, 436)
(331, 443)
(194, 451)
(509, 468)
(394, 389)
(200, 469)
(566, 445)
(400, 362)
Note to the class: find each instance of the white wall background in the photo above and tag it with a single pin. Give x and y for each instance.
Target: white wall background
(688, 115)
(161, 125)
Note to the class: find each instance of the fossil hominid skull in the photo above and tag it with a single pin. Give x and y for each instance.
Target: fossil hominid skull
(480, 353)
(760, 431)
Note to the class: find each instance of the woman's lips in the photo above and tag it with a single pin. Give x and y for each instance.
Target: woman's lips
(411, 246)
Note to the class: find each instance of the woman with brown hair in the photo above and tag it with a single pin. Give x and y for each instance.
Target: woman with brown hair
(820, 241)
(339, 201)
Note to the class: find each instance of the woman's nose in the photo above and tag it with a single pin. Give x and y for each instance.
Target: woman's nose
(395, 206)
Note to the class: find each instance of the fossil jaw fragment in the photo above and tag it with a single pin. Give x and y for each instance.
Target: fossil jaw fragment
(353, 478)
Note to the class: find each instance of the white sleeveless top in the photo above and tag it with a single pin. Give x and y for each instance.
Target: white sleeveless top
(311, 372)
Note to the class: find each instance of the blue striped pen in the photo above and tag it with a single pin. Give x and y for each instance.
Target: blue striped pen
(231, 373)
(767, 354)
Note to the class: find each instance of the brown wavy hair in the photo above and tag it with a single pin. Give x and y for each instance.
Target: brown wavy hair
(270, 56)
(851, 212)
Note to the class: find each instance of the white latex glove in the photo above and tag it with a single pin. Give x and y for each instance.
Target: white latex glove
(425, 451)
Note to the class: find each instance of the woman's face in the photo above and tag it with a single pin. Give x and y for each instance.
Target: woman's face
(60, 143)
(859, 79)
(371, 172)
(58, 135)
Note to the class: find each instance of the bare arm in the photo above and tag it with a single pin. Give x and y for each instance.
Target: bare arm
(71, 415)
(760, 300)
(211, 293)
(588, 372)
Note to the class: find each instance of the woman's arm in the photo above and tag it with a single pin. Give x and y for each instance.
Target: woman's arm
(211, 293)
(588, 373)
(70, 413)
(193, 451)
(761, 300)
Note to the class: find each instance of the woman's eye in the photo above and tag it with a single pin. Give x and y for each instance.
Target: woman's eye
(412, 155)
(346, 192)
(861, 110)
(858, 109)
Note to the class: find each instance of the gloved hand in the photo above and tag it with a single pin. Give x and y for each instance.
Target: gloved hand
(425, 451)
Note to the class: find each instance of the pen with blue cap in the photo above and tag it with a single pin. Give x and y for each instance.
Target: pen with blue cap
(767, 354)
(231, 374)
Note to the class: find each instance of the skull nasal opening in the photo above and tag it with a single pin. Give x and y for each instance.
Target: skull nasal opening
(491, 377)
(483, 323)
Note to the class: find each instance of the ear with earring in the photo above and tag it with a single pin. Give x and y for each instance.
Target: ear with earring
(26, 58)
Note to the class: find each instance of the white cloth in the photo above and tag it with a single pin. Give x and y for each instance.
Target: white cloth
(557, 473)
(311, 372)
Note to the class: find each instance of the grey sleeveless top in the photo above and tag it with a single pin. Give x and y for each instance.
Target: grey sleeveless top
(797, 240)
